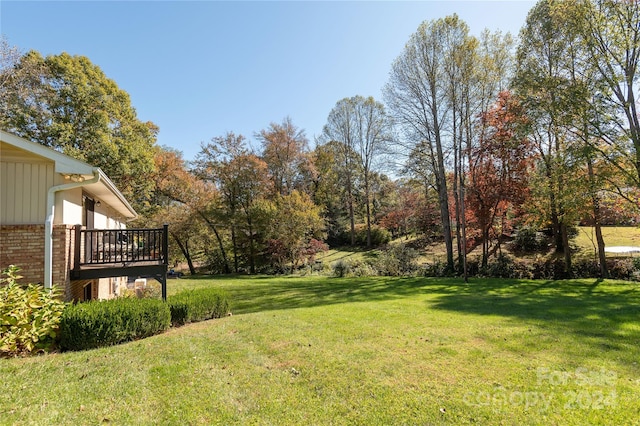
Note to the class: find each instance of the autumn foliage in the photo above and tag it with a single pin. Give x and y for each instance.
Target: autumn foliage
(499, 167)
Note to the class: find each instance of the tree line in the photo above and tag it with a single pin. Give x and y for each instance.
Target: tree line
(488, 135)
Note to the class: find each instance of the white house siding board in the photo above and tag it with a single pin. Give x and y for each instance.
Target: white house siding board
(100, 220)
(24, 191)
(69, 207)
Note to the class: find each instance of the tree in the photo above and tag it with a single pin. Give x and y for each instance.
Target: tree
(362, 126)
(284, 150)
(418, 94)
(400, 212)
(67, 103)
(185, 229)
(340, 132)
(611, 40)
(500, 166)
(295, 229)
(242, 179)
(329, 189)
(544, 85)
(183, 200)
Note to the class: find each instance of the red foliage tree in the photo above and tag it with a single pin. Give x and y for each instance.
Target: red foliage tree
(499, 168)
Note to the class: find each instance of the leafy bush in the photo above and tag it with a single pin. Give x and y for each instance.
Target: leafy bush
(635, 275)
(104, 323)
(29, 316)
(437, 268)
(473, 267)
(398, 260)
(198, 305)
(379, 236)
(586, 268)
(621, 269)
(502, 267)
(363, 269)
(341, 268)
(528, 240)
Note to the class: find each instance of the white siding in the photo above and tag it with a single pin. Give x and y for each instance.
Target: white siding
(23, 191)
(69, 207)
(107, 218)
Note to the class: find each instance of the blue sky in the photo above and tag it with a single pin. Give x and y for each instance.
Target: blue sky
(198, 69)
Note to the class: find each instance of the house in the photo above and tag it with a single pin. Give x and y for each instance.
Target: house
(63, 222)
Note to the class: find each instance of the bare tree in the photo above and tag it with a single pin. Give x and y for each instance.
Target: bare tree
(339, 129)
(418, 94)
(362, 126)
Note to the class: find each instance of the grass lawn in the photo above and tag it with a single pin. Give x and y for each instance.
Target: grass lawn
(319, 350)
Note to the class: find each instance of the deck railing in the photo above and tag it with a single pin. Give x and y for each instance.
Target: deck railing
(126, 246)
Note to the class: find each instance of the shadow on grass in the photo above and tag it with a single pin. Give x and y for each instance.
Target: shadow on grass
(264, 293)
(293, 293)
(604, 314)
(576, 301)
(519, 298)
(527, 299)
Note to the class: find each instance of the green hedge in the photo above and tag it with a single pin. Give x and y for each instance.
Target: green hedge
(105, 323)
(198, 305)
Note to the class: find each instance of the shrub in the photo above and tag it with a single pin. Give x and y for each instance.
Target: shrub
(363, 269)
(341, 268)
(550, 269)
(621, 269)
(198, 305)
(503, 267)
(528, 240)
(379, 236)
(29, 316)
(586, 268)
(104, 323)
(473, 267)
(398, 260)
(437, 268)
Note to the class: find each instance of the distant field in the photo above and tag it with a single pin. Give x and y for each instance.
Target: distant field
(613, 236)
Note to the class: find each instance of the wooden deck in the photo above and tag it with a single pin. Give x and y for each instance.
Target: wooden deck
(104, 253)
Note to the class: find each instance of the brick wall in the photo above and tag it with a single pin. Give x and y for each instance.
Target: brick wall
(23, 246)
(63, 256)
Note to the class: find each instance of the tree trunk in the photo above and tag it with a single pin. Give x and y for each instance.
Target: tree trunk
(443, 193)
(223, 252)
(556, 227)
(567, 250)
(456, 198)
(485, 245)
(443, 198)
(596, 222)
(252, 251)
(368, 206)
(184, 248)
(234, 244)
(351, 213)
(464, 233)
